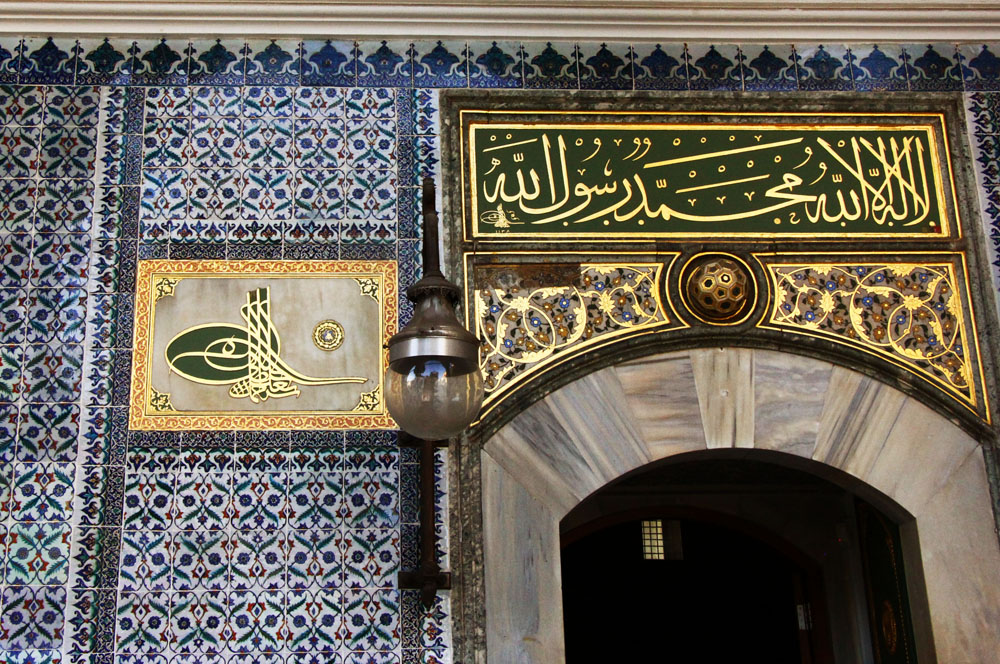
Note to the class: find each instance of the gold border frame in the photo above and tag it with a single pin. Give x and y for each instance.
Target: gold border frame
(957, 262)
(470, 226)
(140, 417)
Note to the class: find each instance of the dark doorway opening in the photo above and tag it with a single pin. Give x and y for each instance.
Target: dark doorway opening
(721, 595)
(727, 558)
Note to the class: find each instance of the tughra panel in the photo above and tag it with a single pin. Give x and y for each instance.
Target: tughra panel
(261, 344)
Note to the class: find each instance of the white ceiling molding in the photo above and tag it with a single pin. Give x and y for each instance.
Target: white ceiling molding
(626, 20)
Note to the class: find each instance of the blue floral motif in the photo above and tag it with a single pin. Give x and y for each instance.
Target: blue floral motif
(767, 64)
(328, 59)
(384, 60)
(878, 64)
(162, 58)
(605, 63)
(823, 65)
(495, 60)
(659, 64)
(550, 62)
(987, 64)
(49, 57)
(439, 60)
(932, 64)
(274, 58)
(714, 64)
(217, 58)
(105, 58)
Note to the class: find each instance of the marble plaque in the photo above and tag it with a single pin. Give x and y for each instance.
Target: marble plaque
(261, 344)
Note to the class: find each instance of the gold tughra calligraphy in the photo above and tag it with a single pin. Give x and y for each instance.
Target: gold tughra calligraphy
(246, 357)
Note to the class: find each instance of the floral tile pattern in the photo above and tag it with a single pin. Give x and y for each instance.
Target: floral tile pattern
(204, 548)
(384, 64)
(495, 64)
(662, 67)
(984, 125)
(771, 68)
(933, 67)
(607, 68)
(981, 66)
(329, 63)
(879, 67)
(440, 64)
(551, 66)
(824, 67)
(714, 67)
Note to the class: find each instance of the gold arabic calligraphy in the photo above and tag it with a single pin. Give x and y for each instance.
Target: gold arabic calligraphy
(574, 178)
(248, 358)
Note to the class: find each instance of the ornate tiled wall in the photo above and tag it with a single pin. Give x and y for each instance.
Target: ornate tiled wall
(280, 546)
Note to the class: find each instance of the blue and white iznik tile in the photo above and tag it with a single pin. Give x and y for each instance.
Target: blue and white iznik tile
(497, 64)
(608, 66)
(878, 67)
(662, 67)
(551, 65)
(440, 64)
(981, 66)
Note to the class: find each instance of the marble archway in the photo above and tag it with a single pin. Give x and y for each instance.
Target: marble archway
(564, 447)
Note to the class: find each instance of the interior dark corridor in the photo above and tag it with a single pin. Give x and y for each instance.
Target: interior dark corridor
(725, 559)
(724, 597)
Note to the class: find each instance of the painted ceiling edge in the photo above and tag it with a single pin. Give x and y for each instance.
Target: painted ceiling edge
(751, 21)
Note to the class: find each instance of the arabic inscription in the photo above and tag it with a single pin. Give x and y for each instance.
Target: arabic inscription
(591, 180)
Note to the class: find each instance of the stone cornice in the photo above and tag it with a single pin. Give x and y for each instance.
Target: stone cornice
(634, 20)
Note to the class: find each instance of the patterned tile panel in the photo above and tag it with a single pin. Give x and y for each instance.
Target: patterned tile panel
(607, 68)
(140, 547)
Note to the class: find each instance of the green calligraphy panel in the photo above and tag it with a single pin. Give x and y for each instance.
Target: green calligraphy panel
(578, 181)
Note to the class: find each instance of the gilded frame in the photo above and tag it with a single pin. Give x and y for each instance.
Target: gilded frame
(150, 273)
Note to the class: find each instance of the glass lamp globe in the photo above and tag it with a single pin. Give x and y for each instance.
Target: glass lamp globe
(433, 386)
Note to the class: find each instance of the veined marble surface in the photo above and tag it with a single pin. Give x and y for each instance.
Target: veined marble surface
(592, 431)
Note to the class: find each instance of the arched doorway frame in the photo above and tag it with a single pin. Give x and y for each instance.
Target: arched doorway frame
(517, 485)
